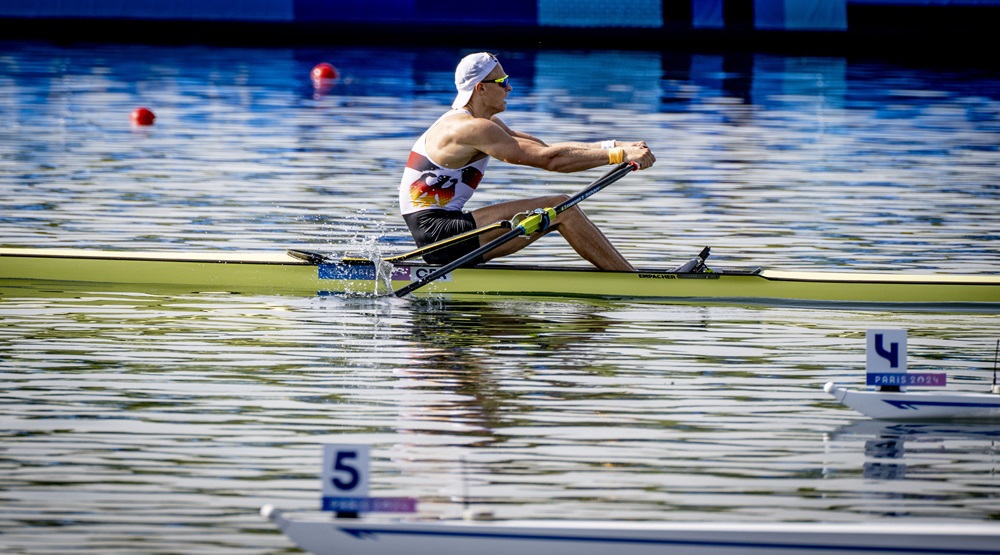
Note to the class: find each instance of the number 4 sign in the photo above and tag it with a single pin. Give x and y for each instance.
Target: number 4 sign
(886, 363)
(886, 351)
(345, 484)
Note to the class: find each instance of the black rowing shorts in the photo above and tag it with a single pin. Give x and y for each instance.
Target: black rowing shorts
(431, 226)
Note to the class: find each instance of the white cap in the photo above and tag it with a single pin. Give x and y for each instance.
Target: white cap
(469, 73)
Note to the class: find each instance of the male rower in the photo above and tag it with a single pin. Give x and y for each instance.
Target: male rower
(448, 161)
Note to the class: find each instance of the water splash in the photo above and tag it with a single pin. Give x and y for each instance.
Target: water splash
(383, 276)
(366, 232)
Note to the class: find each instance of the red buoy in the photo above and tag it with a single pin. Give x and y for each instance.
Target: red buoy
(142, 116)
(324, 72)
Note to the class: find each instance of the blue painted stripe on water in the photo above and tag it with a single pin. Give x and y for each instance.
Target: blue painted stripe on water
(509, 12)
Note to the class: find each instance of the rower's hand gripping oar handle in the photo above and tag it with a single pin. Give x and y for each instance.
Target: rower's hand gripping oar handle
(533, 222)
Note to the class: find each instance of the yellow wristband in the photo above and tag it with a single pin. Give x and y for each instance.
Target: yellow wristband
(616, 155)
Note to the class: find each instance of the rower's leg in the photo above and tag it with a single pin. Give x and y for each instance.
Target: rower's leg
(589, 241)
(578, 230)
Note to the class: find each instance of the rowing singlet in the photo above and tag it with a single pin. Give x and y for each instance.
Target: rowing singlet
(426, 185)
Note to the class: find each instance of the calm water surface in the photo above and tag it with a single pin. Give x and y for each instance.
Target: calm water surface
(159, 422)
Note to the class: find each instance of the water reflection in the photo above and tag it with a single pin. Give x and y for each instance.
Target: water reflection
(912, 467)
(461, 346)
(193, 409)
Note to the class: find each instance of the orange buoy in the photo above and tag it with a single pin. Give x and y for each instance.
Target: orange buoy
(142, 116)
(324, 72)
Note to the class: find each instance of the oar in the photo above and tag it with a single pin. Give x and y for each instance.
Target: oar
(539, 220)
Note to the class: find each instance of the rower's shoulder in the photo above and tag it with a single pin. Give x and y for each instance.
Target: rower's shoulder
(467, 125)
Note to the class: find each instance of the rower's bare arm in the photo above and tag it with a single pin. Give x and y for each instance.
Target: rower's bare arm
(514, 147)
(598, 145)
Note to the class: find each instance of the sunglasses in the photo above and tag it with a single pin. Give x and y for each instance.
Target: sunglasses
(501, 81)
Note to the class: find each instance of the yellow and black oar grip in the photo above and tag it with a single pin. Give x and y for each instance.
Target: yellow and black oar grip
(539, 220)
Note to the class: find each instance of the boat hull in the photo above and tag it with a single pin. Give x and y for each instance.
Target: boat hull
(919, 405)
(278, 272)
(321, 534)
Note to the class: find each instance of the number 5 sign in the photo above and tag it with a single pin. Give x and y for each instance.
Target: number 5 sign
(345, 484)
(345, 470)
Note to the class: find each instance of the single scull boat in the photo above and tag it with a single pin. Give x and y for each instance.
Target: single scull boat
(309, 273)
(919, 405)
(892, 400)
(322, 534)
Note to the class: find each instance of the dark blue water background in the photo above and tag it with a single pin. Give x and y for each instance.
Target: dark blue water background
(146, 422)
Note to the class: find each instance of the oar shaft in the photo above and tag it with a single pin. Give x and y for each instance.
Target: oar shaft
(616, 173)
